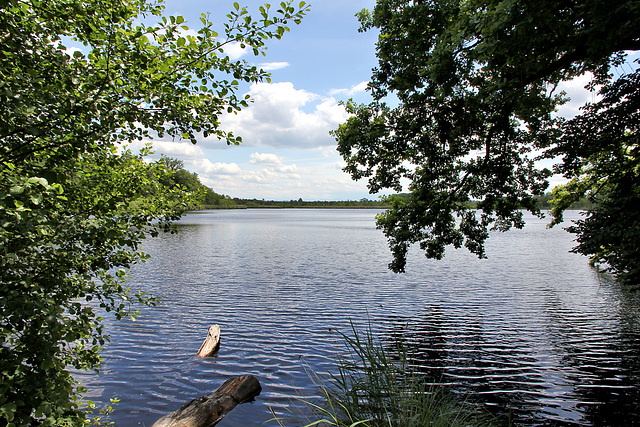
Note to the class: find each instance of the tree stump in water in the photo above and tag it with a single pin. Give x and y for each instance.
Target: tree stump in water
(212, 343)
(207, 411)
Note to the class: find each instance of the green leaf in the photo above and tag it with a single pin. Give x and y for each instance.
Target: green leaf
(16, 190)
(75, 204)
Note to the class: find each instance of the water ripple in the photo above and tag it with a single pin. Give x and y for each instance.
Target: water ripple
(532, 330)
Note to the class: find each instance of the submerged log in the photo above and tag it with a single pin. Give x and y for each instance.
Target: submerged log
(211, 344)
(207, 411)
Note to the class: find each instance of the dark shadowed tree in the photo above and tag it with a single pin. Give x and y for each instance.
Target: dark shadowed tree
(601, 158)
(476, 85)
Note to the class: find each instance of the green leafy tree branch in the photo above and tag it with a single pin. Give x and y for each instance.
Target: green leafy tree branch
(477, 85)
(75, 205)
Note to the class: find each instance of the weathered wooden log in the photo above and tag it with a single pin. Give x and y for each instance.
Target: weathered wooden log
(211, 344)
(207, 411)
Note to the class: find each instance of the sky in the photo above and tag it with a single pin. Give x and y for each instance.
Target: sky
(287, 152)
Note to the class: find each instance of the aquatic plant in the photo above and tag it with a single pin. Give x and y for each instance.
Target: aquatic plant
(376, 384)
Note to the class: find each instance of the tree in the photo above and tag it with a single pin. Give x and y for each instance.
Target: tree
(74, 203)
(476, 87)
(171, 163)
(182, 178)
(178, 177)
(601, 150)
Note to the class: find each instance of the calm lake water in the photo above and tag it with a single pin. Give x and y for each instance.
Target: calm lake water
(533, 329)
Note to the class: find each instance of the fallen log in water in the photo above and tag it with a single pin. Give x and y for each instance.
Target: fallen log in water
(208, 411)
(211, 344)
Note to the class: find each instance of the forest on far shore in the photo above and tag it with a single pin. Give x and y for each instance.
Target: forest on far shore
(211, 200)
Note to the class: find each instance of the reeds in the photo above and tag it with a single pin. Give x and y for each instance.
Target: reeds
(376, 385)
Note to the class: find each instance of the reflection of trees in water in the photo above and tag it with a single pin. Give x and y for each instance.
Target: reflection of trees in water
(488, 368)
(601, 357)
(579, 376)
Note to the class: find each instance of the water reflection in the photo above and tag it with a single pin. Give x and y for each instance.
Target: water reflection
(495, 370)
(531, 328)
(579, 364)
(601, 355)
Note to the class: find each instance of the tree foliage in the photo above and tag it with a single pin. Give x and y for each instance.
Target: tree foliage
(476, 87)
(178, 177)
(601, 149)
(74, 203)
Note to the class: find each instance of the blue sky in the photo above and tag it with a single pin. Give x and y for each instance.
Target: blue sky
(287, 151)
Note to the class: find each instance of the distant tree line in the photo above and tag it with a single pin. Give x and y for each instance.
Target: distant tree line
(178, 177)
(299, 203)
(546, 203)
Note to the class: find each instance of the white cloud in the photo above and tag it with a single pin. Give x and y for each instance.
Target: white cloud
(178, 149)
(185, 33)
(359, 88)
(578, 95)
(264, 176)
(288, 182)
(290, 170)
(234, 51)
(205, 166)
(181, 149)
(266, 158)
(328, 152)
(272, 66)
(278, 117)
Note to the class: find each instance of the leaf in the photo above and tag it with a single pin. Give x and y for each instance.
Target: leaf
(16, 190)
(70, 117)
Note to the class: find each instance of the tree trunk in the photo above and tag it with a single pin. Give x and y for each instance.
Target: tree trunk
(207, 411)
(211, 344)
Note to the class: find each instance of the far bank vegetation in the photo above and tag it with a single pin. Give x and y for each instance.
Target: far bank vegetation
(209, 199)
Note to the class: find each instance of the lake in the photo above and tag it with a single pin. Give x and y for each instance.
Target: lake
(532, 330)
